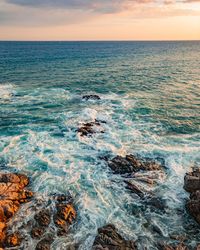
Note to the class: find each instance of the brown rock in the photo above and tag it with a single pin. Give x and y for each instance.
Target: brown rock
(37, 232)
(109, 239)
(192, 185)
(12, 240)
(193, 206)
(192, 181)
(12, 193)
(43, 218)
(44, 244)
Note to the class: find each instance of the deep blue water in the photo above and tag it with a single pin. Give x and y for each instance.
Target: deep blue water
(150, 99)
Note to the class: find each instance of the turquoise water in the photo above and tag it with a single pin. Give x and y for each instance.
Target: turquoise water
(150, 99)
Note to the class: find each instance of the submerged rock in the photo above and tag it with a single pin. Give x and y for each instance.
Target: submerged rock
(109, 239)
(131, 163)
(135, 189)
(192, 185)
(91, 97)
(45, 244)
(12, 194)
(89, 128)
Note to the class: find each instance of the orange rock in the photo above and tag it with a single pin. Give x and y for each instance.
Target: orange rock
(12, 193)
(12, 240)
(66, 212)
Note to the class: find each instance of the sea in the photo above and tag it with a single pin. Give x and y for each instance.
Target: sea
(150, 106)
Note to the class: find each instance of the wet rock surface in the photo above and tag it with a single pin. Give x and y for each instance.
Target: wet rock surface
(91, 97)
(52, 222)
(13, 193)
(192, 185)
(131, 163)
(89, 128)
(180, 246)
(109, 239)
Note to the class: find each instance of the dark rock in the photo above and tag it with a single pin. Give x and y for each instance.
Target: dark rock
(37, 232)
(44, 244)
(109, 239)
(131, 163)
(87, 129)
(134, 189)
(193, 206)
(120, 165)
(192, 181)
(156, 202)
(43, 218)
(12, 240)
(192, 185)
(91, 97)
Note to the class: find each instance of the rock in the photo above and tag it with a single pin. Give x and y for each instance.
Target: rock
(44, 244)
(134, 189)
(192, 185)
(192, 181)
(87, 129)
(109, 239)
(12, 194)
(43, 218)
(120, 165)
(37, 232)
(131, 163)
(91, 97)
(181, 246)
(64, 217)
(12, 240)
(193, 205)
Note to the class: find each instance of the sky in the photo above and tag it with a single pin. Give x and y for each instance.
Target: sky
(99, 20)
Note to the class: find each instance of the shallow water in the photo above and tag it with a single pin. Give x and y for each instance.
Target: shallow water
(150, 99)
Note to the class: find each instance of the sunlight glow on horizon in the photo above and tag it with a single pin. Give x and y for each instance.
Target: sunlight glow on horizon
(135, 21)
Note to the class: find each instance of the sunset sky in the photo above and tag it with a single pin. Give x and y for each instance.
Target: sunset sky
(99, 20)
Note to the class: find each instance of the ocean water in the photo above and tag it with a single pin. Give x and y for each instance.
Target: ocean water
(150, 100)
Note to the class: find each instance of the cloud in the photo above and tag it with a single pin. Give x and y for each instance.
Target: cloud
(66, 12)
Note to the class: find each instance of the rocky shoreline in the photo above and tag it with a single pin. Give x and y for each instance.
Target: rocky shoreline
(58, 218)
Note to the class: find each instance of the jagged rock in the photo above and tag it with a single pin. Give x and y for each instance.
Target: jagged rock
(64, 217)
(12, 194)
(193, 205)
(91, 97)
(37, 232)
(43, 218)
(109, 239)
(87, 129)
(44, 244)
(192, 185)
(192, 181)
(12, 240)
(131, 163)
(131, 186)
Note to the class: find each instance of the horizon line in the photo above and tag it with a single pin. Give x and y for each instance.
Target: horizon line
(136, 40)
